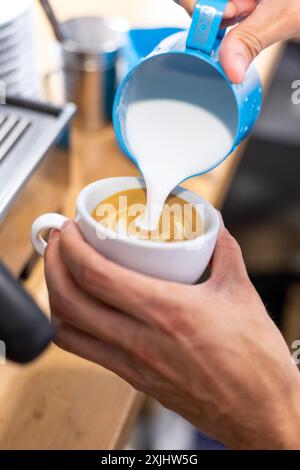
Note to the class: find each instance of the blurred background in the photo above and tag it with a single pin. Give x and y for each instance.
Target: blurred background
(261, 196)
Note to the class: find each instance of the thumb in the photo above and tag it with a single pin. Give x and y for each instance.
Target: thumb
(271, 21)
(227, 262)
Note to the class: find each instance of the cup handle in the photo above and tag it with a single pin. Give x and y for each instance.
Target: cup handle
(205, 33)
(45, 222)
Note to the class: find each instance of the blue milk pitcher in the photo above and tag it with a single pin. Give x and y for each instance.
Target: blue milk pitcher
(195, 53)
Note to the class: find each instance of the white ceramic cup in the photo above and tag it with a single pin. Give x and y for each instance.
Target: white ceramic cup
(181, 261)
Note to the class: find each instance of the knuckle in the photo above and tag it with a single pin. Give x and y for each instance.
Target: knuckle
(62, 303)
(137, 376)
(61, 339)
(253, 43)
(296, 16)
(140, 383)
(292, 17)
(175, 323)
(230, 243)
(169, 312)
(240, 283)
(296, 19)
(247, 287)
(141, 387)
(146, 354)
(92, 276)
(165, 302)
(86, 274)
(59, 342)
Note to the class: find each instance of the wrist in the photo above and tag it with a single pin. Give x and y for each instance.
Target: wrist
(287, 436)
(280, 429)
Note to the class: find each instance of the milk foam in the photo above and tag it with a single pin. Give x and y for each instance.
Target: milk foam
(176, 129)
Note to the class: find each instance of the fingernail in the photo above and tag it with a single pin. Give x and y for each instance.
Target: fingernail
(242, 65)
(53, 235)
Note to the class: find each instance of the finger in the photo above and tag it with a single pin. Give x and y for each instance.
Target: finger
(117, 286)
(189, 5)
(233, 9)
(71, 305)
(268, 24)
(227, 262)
(238, 8)
(95, 350)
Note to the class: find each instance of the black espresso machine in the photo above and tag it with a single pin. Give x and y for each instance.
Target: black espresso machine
(34, 174)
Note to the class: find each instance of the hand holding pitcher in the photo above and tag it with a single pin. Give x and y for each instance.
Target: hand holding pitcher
(262, 23)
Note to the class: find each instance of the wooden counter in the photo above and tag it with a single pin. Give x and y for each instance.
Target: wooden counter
(61, 401)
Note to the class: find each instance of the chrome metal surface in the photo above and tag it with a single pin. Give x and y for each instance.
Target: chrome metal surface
(90, 58)
(34, 173)
(12, 127)
(27, 153)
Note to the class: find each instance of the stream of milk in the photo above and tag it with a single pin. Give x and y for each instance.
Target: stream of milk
(176, 129)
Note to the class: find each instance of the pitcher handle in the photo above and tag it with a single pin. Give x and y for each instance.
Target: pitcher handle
(205, 32)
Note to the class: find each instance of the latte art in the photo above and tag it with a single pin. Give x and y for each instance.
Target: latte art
(122, 211)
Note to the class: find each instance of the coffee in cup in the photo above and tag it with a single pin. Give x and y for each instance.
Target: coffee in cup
(120, 212)
(183, 261)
